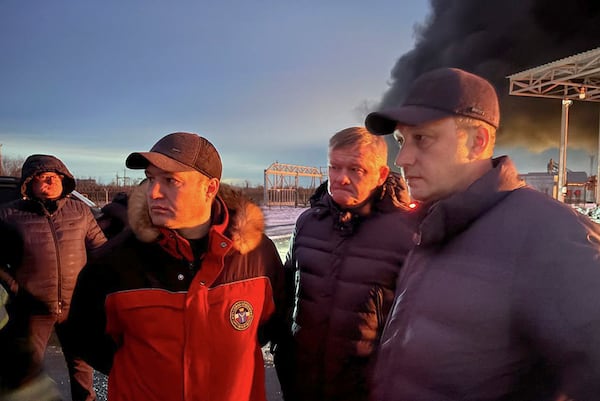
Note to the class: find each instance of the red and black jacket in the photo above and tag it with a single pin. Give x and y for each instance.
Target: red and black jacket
(168, 326)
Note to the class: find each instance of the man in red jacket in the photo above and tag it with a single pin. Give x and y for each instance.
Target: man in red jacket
(180, 309)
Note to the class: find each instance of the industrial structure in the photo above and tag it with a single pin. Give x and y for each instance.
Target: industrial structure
(572, 78)
(290, 185)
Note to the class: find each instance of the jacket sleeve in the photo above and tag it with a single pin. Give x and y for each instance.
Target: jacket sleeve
(94, 237)
(557, 302)
(289, 269)
(87, 317)
(284, 355)
(270, 331)
(16, 306)
(11, 254)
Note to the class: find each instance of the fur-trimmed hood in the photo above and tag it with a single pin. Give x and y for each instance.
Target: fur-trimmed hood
(233, 214)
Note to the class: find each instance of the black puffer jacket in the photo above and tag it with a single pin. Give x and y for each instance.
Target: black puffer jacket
(341, 273)
(55, 243)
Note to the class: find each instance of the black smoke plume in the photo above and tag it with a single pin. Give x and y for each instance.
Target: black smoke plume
(498, 38)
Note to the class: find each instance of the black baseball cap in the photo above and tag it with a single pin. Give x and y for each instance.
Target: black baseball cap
(437, 94)
(180, 151)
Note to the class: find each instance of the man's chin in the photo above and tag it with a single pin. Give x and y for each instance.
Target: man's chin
(50, 194)
(160, 221)
(420, 196)
(344, 201)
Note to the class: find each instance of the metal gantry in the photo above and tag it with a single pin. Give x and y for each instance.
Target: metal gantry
(283, 184)
(572, 78)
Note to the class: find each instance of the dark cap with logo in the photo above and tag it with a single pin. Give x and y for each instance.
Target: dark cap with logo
(180, 151)
(437, 94)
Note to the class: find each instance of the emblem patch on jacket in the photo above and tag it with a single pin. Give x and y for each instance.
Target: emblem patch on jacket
(241, 315)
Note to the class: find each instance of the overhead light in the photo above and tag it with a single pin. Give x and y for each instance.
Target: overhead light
(582, 93)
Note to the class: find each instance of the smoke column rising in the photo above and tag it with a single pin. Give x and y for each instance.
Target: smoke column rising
(495, 39)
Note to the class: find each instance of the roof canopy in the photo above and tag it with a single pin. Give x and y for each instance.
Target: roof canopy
(576, 77)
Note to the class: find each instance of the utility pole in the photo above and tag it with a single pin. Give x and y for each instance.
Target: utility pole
(124, 177)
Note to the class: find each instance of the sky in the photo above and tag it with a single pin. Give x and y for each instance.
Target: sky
(266, 81)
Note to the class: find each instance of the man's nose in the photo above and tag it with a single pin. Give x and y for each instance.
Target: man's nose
(344, 179)
(154, 190)
(405, 157)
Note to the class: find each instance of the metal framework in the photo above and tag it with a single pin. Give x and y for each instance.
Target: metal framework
(562, 79)
(282, 184)
(572, 78)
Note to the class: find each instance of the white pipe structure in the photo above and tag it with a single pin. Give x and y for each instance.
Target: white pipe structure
(562, 161)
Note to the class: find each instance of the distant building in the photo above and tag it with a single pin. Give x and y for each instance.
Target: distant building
(579, 189)
(86, 181)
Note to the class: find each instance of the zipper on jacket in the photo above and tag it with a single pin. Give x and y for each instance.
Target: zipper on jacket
(58, 268)
(379, 310)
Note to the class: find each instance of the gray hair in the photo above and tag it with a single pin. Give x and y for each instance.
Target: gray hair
(361, 137)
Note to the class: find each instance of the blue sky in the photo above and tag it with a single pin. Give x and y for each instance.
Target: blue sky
(265, 81)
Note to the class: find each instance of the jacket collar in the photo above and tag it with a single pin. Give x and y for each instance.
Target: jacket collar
(37, 206)
(450, 216)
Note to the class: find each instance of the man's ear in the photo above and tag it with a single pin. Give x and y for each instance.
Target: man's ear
(480, 143)
(212, 187)
(384, 171)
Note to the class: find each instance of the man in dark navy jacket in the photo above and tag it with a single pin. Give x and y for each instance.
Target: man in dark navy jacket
(499, 297)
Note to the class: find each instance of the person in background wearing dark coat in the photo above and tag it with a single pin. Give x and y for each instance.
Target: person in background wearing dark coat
(499, 298)
(57, 232)
(113, 219)
(21, 377)
(179, 309)
(345, 255)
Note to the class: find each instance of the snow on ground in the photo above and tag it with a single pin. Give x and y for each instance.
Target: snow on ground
(279, 225)
(592, 211)
(277, 216)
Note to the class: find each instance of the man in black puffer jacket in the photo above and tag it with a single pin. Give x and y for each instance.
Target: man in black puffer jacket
(57, 233)
(341, 270)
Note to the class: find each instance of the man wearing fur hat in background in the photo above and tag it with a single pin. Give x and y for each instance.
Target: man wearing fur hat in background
(57, 232)
(180, 309)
